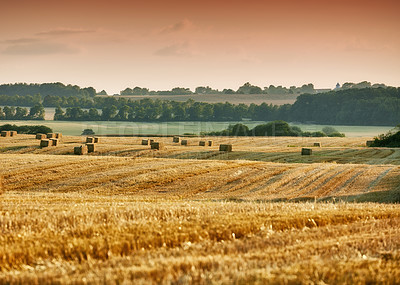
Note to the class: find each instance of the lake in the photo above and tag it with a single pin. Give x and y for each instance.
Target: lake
(180, 128)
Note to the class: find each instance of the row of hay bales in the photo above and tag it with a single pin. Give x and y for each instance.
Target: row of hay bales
(308, 151)
(153, 144)
(50, 139)
(9, 133)
(49, 136)
(222, 147)
(186, 142)
(89, 147)
(49, 142)
(160, 145)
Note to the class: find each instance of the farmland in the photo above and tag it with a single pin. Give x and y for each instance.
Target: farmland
(191, 214)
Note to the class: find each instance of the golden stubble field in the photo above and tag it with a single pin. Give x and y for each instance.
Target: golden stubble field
(191, 214)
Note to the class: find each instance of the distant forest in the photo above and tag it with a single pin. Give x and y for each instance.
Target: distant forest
(351, 104)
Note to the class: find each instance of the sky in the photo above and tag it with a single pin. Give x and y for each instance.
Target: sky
(160, 44)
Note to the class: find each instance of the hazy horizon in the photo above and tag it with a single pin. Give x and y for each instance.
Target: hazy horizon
(165, 44)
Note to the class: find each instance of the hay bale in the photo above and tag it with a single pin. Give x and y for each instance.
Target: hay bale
(80, 150)
(5, 133)
(184, 142)
(41, 136)
(53, 142)
(225, 147)
(145, 142)
(317, 144)
(157, 145)
(176, 139)
(91, 147)
(202, 143)
(306, 151)
(369, 143)
(44, 143)
(151, 141)
(51, 136)
(13, 133)
(58, 135)
(90, 140)
(210, 143)
(96, 140)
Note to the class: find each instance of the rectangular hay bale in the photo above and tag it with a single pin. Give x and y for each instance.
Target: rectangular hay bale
(80, 150)
(90, 140)
(51, 135)
(202, 143)
(176, 139)
(145, 142)
(96, 140)
(13, 133)
(41, 136)
(54, 142)
(5, 133)
(58, 135)
(157, 145)
(317, 144)
(210, 143)
(44, 143)
(91, 147)
(184, 142)
(306, 151)
(225, 147)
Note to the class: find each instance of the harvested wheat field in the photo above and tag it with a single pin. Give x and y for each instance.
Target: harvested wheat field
(191, 214)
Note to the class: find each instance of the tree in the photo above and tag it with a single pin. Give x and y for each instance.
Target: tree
(108, 113)
(307, 88)
(93, 114)
(247, 88)
(102, 92)
(74, 114)
(58, 114)
(140, 91)
(180, 91)
(89, 91)
(123, 113)
(238, 130)
(20, 113)
(275, 128)
(205, 90)
(87, 132)
(37, 112)
(228, 91)
(9, 112)
(51, 101)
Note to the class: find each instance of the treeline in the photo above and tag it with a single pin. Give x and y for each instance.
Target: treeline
(55, 89)
(146, 110)
(246, 88)
(348, 106)
(26, 129)
(276, 128)
(380, 106)
(390, 139)
(369, 106)
(11, 113)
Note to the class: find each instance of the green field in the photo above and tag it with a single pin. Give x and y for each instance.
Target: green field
(180, 128)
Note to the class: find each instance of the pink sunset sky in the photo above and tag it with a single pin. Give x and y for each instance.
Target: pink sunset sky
(158, 44)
